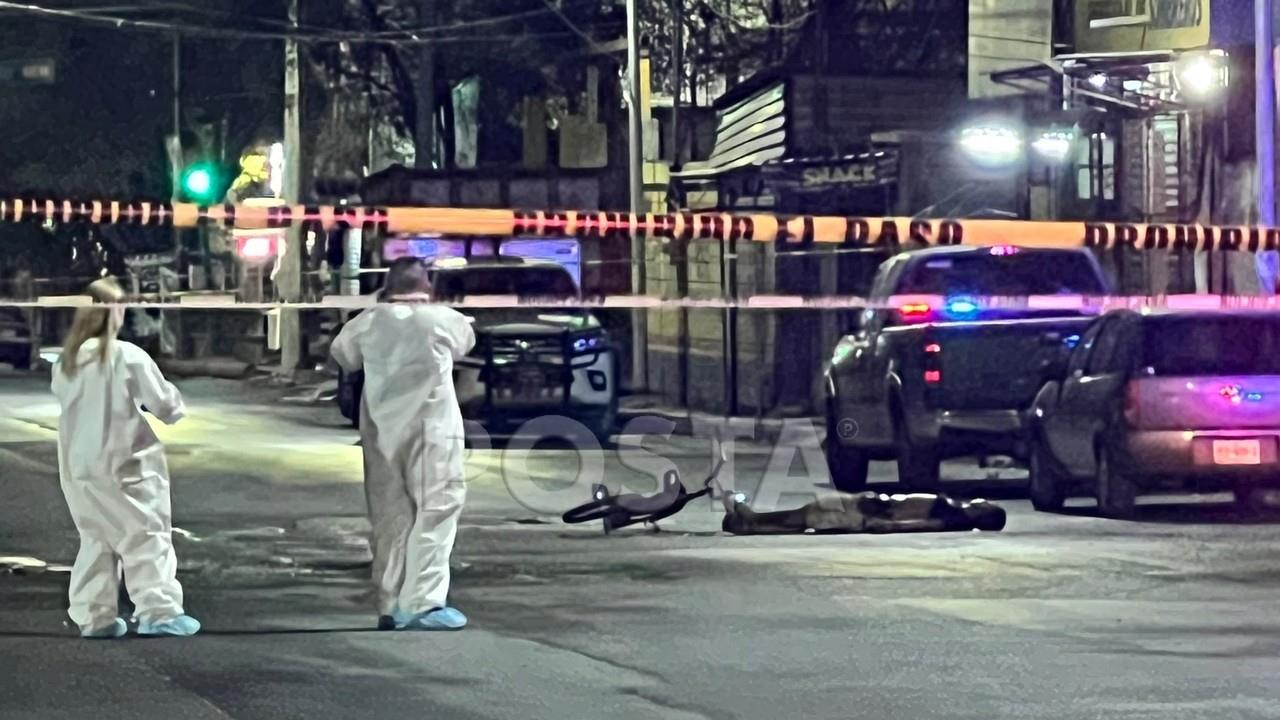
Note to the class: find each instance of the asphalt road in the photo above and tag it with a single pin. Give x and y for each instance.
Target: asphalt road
(1059, 616)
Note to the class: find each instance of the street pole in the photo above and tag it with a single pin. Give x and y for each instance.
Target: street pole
(177, 86)
(289, 278)
(172, 322)
(677, 77)
(639, 324)
(1265, 129)
(681, 258)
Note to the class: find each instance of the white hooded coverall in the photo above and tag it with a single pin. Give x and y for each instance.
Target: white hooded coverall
(116, 483)
(413, 438)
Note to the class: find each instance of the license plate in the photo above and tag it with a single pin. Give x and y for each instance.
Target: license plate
(1237, 452)
(528, 385)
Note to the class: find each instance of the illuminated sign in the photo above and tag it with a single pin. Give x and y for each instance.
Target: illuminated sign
(855, 174)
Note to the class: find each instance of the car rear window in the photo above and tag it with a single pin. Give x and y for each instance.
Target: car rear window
(1017, 273)
(539, 282)
(1212, 345)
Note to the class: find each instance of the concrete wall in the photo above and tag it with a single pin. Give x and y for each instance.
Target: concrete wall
(1004, 35)
(779, 353)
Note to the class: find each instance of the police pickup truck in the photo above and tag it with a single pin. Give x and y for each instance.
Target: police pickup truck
(937, 368)
(528, 362)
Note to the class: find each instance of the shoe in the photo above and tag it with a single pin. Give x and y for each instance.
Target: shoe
(116, 629)
(181, 626)
(445, 618)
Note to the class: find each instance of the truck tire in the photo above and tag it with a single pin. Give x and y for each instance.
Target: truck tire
(919, 467)
(1046, 485)
(1117, 492)
(603, 426)
(848, 466)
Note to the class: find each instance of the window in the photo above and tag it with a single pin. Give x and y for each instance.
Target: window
(1096, 168)
(1028, 272)
(1164, 168)
(1212, 345)
(1081, 354)
(517, 280)
(1102, 359)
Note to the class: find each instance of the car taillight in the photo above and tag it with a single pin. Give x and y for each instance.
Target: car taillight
(914, 312)
(933, 377)
(1132, 404)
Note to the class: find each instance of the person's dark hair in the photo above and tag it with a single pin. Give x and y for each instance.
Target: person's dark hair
(988, 517)
(406, 276)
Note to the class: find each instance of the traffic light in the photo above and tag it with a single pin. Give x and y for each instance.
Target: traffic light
(201, 183)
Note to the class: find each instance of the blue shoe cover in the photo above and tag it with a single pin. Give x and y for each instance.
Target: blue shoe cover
(116, 629)
(181, 626)
(445, 618)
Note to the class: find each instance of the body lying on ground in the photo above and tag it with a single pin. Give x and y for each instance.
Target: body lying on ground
(868, 512)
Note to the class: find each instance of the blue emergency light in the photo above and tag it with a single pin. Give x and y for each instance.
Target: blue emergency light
(961, 308)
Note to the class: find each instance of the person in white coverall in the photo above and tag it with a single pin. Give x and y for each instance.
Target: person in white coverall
(413, 439)
(114, 475)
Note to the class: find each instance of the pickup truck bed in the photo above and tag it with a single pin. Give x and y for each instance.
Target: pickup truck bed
(949, 376)
(975, 378)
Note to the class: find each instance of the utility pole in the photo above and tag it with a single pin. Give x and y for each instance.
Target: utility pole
(177, 87)
(172, 322)
(635, 126)
(681, 258)
(677, 77)
(289, 278)
(1265, 129)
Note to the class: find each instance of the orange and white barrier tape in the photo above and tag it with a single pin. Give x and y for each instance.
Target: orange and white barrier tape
(789, 232)
(933, 307)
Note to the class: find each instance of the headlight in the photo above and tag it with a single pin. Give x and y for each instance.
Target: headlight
(588, 343)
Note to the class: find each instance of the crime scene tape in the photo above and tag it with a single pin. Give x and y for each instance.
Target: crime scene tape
(788, 232)
(923, 308)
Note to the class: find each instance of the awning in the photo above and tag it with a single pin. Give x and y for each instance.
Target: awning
(1139, 82)
(751, 132)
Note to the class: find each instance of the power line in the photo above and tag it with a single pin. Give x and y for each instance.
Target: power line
(409, 36)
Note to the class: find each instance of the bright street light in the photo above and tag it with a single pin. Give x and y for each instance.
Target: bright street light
(1053, 145)
(991, 144)
(1200, 76)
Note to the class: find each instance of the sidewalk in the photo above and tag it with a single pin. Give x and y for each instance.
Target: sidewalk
(768, 429)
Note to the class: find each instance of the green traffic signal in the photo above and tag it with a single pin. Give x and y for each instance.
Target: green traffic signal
(198, 183)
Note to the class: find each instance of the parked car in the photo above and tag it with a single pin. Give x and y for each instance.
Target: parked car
(528, 362)
(934, 370)
(1178, 401)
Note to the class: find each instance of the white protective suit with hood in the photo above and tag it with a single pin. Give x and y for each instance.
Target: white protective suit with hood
(116, 482)
(413, 438)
